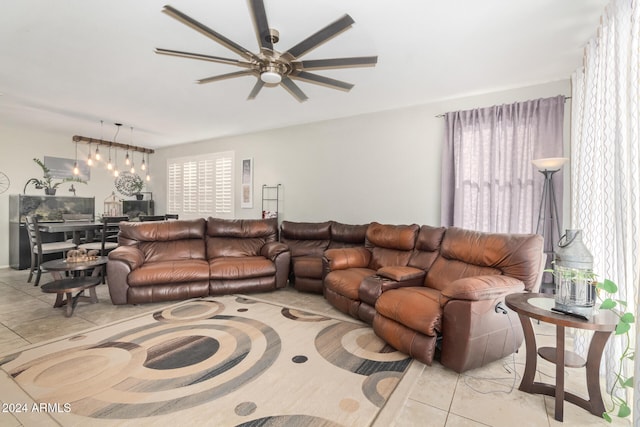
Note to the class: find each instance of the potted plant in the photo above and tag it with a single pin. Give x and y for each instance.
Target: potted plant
(46, 182)
(618, 390)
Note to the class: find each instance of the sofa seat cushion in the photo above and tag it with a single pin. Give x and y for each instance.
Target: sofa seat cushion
(163, 272)
(234, 268)
(417, 308)
(346, 282)
(307, 267)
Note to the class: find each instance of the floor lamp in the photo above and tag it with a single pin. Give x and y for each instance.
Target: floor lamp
(548, 220)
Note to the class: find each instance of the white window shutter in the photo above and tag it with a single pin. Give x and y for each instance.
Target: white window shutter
(174, 187)
(224, 200)
(201, 186)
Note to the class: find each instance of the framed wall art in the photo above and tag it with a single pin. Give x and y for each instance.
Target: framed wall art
(246, 187)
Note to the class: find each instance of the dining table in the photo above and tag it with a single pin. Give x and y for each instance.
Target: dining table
(77, 228)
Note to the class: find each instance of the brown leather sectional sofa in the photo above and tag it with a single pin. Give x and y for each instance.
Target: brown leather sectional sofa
(174, 260)
(417, 285)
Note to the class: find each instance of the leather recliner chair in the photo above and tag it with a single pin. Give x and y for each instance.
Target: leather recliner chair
(385, 245)
(457, 300)
(308, 241)
(245, 256)
(159, 261)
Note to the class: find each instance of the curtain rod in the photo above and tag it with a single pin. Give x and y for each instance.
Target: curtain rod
(439, 116)
(78, 138)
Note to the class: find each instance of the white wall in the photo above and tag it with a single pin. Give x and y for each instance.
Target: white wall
(383, 166)
(377, 167)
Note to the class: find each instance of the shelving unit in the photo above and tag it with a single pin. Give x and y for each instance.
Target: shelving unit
(270, 200)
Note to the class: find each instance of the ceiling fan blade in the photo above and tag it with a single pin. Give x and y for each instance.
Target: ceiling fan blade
(322, 80)
(319, 37)
(261, 24)
(256, 89)
(202, 57)
(293, 89)
(225, 76)
(208, 32)
(325, 64)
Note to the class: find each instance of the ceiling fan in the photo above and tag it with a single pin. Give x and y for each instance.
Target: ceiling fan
(270, 66)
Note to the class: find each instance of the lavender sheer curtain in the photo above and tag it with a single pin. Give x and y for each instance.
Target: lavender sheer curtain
(488, 181)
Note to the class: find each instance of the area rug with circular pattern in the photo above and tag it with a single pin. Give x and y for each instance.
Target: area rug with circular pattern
(224, 361)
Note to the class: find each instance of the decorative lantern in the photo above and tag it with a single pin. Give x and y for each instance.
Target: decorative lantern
(575, 284)
(112, 206)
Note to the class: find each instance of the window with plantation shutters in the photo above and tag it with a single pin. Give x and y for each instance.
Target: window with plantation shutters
(201, 186)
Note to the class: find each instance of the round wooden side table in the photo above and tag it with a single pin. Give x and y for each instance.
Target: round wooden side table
(79, 283)
(66, 287)
(57, 266)
(603, 323)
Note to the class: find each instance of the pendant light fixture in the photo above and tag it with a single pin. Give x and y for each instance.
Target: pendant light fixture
(115, 166)
(98, 156)
(133, 165)
(112, 166)
(148, 168)
(89, 159)
(116, 173)
(109, 164)
(76, 171)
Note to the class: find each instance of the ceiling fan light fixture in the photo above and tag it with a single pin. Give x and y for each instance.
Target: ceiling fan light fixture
(271, 77)
(270, 66)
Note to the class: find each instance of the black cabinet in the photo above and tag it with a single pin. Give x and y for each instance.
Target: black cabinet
(134, 208)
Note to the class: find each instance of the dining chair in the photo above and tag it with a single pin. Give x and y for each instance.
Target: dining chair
(171, 216)
(38, 249)
(108, 239)
(144, 218)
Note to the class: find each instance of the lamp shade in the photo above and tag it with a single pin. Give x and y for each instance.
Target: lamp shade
(550, 163)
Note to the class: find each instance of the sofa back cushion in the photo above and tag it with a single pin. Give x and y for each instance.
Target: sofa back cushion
(466, 253)
(306, 238)
(427, 247)
(165, 240)
(347, 235)
(239, 237)
(390, 244)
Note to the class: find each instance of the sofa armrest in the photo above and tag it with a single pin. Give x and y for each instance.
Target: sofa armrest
(130, 255)
(387, 278)
(272, 249)
(402, 273)
(343, 258)
(479, 288)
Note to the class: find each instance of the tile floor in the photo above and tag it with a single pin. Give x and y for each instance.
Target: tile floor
(431, 395)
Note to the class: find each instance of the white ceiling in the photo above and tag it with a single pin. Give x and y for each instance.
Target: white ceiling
(66, 65)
